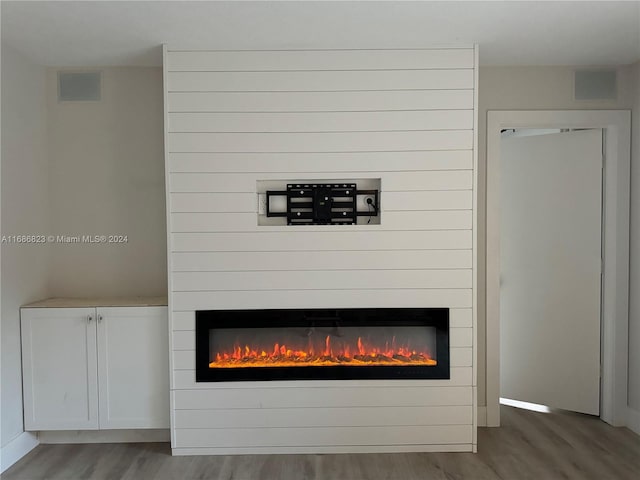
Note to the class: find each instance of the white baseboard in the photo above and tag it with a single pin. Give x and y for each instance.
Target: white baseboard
(16, 449)
(105, 436)
(321, 449)
(633, 420)
(482, 416)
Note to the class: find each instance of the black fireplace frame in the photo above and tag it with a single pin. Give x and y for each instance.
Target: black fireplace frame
(428, 317)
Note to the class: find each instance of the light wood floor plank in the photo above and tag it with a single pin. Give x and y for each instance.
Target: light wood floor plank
(529, 445)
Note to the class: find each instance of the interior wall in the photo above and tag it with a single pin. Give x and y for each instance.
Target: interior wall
(634, 274)
(107, 178)
(531, 88)
(24, 212)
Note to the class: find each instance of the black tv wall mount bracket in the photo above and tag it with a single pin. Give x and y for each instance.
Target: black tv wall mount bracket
(323, 203)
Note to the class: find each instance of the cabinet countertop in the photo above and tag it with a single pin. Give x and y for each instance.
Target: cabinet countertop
(59, 302)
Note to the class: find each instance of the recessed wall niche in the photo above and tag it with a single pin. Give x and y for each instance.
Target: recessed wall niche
(368, 204)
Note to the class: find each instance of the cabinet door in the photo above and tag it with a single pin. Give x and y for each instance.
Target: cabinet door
(133, 367)
(59, 368)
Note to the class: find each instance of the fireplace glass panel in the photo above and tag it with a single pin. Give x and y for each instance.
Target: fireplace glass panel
(322, 346)
(287, 344)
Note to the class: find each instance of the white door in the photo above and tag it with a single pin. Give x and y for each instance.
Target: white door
(59, 368)
(550, 255)
(133, 367)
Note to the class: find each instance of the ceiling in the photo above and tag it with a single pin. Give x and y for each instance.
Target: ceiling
(88, 33)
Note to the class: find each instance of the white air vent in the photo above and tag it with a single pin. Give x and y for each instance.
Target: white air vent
(595, 85)
(79, 86)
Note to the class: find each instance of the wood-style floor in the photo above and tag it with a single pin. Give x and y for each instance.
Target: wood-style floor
(529, 445)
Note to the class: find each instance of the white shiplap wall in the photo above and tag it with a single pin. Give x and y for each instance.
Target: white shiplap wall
(234, 118)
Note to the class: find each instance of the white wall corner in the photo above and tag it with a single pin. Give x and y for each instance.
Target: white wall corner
(633, 420)
(482, 416)
(16, 449)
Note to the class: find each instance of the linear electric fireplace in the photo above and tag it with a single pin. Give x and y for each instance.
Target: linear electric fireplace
(388, 343)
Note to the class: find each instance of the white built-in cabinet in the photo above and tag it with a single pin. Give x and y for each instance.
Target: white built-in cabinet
(95, 368)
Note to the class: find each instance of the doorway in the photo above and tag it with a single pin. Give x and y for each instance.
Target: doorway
(615, 247)
(550, 267)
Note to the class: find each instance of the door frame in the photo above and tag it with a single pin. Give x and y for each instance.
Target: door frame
(616, 125)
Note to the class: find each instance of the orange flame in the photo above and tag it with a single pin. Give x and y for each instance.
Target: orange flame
(283, 356)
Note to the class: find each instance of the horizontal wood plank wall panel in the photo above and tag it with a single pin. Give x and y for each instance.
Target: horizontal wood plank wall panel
(416, 298)
(278, 163)
(327, 260)
(239, 118)
(291, 60)
(322, 396)
(214, 202)
(460, 376)
(353, 101)
(323, 417)
(320, 142)
(185, 359)
(321, 81)
(461, 356)
(285, 386)
(460, 337)
(427, 200)
(246, 222)
(185, 340)
(239, 182)
(326, 436)
(321, 240)
(390, 201)
(322, 121)
(458, 318)
(318, 280)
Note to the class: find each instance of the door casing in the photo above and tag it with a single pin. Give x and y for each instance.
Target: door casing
(616, 125)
